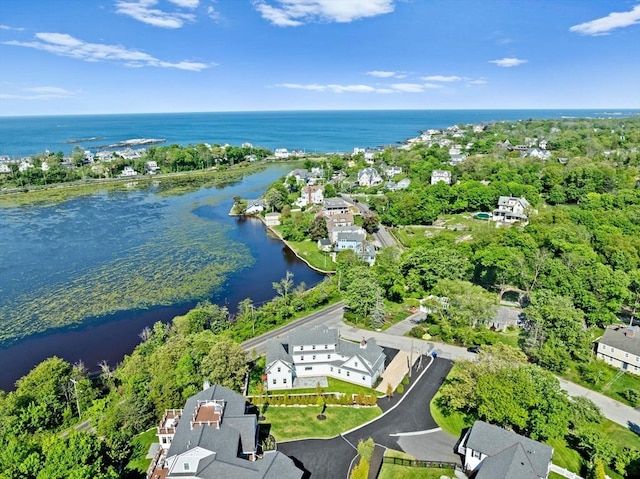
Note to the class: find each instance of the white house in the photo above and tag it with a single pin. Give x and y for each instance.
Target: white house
(24, 165)
(369, 177)
(214, 436)
(511, 209)
(311, 195)
(392, 171)
(345, 240)
(339, 220)
(320, 352)
(300, 174)
(255, 206)
(128, 171)
(619, 346)
(491, 452)
(281, 153)
(335, 230)
(151, 167)
(5, 169)
(272, 219)
(440, 175)
(403, 184)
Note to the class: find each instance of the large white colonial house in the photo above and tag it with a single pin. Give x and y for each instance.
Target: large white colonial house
(440, 175)
(511, 209)
(215, 436)
(369, 177)
(491, 452)
(311, 195)
(320, 352)
(619, 346)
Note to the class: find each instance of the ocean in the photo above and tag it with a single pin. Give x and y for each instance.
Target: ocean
(309, 131)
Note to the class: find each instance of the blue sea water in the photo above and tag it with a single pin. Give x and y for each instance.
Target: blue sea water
(311, 131)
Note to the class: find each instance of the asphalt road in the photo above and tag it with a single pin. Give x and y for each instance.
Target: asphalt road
(408, 426)
(382, 236)
(331, 316)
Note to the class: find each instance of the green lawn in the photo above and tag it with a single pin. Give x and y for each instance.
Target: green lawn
(453, 423)
(141, 445)
(624, 382)
(309, 251)
(391, 471)
(289, 423)
(456, 227)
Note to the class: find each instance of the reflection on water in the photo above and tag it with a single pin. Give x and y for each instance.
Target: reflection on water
(115, 246)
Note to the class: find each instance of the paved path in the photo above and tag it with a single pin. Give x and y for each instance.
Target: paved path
(395, 372)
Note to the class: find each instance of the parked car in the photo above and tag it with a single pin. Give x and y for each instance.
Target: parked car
(474, 349)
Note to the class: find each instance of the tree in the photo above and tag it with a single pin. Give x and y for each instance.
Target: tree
(469, 304)
(284, 286)
(318, 228)
(276, 197)
(370, 222)
(378, 314)
(226, 364)
(362, 295)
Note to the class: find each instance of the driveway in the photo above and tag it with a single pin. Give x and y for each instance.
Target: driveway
(407, 425)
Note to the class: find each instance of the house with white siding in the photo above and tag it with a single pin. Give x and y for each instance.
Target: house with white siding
(511, 209)
(619, 347)
(320, 352)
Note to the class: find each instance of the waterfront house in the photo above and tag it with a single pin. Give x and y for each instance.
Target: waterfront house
(300, 174)
(339, 220)
(255, 206)
(24, 165)
(324, 244)
(491, 452)
(5, 169)
(215, 435)
(335, 230)
(619, 347)
(128, 171)
(440, 176)
(352, 240)
(151, 167)
(369, 177)
(511, 209)
(281, 153)
(320, 352)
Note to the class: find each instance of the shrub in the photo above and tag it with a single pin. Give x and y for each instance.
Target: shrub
(417, 332)
(434, 330)
(405, 380)
(400, 389)
(631, 395)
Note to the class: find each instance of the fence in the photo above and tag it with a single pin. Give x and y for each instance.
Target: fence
(417, 463)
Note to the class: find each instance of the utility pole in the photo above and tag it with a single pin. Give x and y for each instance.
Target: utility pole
(75, 388)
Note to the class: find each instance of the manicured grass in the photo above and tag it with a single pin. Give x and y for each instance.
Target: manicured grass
(621, 436)
(453, 423)
(624, 382)
(565, 457)
(289, 423)
(141, 444)
(309, 251)
(392, 471)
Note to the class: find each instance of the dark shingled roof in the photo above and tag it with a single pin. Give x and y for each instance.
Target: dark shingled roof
(625, 338)
(512, 463)
(237, 433)
(494, 441)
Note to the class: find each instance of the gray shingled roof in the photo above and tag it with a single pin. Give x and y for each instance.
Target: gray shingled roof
(373, 353)
(276, 350)
(616, 336)
(237, 431)
(309, 336)
(493, 440)
(512, 463)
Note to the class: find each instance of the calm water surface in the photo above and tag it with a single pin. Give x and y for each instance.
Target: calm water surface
(67, 243)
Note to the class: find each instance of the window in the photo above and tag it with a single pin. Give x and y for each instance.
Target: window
(301, 358)
(348, 373)
(331, 368)
(308, 368)
(356, 363)
(329, 357)
(363, 378)
(313, 357)
(326, 346)
(626, 355)
(339, 371)
(278, 369)
(476, 454)
(313, 347)
(186, 466)
(164, 440)
(274, 381)
(284, 381)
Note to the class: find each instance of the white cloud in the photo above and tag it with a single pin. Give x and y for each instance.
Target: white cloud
(602, 26)
(508, 62)
(143, 11)
(478, 81)
(442, 78)
(65, 45)
(292, 13)
(382, 74)
(7, 27)
(39, 93)
(338, 88)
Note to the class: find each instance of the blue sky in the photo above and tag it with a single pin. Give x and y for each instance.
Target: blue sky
(129, 56)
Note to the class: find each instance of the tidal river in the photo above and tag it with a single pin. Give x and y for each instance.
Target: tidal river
(81, 279)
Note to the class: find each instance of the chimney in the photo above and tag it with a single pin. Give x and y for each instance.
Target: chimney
(363, 344)
(631, 331)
